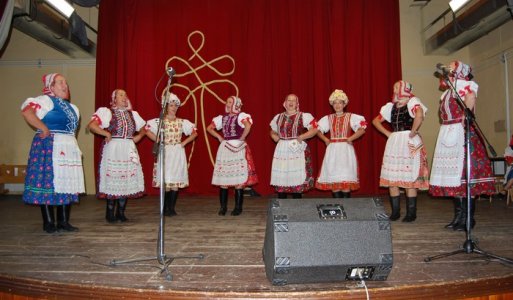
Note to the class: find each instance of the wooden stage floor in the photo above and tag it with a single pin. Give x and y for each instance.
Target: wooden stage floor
(76, 265)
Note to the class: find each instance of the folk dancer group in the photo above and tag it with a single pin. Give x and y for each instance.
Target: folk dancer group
(55, 174)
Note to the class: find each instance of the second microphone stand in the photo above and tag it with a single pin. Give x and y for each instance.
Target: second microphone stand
(469, 246)
(159, 151)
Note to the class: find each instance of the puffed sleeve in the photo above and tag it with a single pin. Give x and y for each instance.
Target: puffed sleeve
(139, 122)
(75, 108)
(244, 116)
(413, 105)
(188, 127)
(274, 123)
(386, 111)
(152, 125)
(309, 121)
(103, 116)
(324, 124)
(357, 122)
(465, 87)
(41, 105)
(508, 155)
(218, 122)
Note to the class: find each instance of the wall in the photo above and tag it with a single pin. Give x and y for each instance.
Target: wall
(485, 57)
(22, 66)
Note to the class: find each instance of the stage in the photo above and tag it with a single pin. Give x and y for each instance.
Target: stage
(77, 265)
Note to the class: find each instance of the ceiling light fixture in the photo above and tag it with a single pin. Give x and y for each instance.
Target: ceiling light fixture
(62, 6)
(457, 4)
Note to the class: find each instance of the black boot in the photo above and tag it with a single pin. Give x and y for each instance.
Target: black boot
(239, 199)
(462, 225)
(396, 207)
(109, 213)
(223, 199)
(167, 203)
(411, 209)
(346, 194)
(48, 218)
(338, 194)
(172, 203)
(297, 195)
(120, 212)
(63, 218)
(282, 195)
(457, 213)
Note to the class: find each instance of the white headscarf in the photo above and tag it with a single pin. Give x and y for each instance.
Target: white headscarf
(235, 108)
(113, 100)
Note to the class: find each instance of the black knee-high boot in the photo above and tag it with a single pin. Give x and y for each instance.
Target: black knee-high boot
(297, 195)
(462, 225)
(167, 203)
(346, 194)
(411, 209)
(396, 207)
(109, 213)
(48, 218)
(172, 203)
(457, 202)
(239, 199)
(338, 194)
(282, 195)
(63, 212)
(120, 213)
(223, 199)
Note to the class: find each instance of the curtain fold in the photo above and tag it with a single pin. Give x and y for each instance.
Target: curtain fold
(307, 47)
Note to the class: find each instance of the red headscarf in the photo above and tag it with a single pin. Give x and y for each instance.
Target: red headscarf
(297, 101)
(405, 91)
(48, 81)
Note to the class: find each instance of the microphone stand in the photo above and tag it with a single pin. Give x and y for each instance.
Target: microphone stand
(469, 246)
(159, 151)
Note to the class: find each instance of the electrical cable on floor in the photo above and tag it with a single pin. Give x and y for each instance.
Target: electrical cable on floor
(362, 284)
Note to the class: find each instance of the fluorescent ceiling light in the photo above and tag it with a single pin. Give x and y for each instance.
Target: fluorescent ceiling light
(457, 4)
(62, 6)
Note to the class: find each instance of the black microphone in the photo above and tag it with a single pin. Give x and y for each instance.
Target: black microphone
(445, 69)
(170, 71)
(438, 74)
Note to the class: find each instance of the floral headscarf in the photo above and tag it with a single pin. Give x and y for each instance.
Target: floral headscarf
(172, 98)
(338, 95)
(237, 104)
(405, 89)
(462, 71)
(48, 81)
(113, 100)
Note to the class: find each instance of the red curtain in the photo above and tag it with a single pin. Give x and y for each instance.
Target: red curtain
(306, 47)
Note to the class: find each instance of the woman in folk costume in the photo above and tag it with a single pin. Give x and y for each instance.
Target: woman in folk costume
(448, 172)
(55, 176)
(404, 161)
(234, 166)
(339, 171)
(292, 170)
(120, 173)
(175, 162)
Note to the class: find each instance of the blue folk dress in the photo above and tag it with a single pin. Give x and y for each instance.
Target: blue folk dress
(55, 174)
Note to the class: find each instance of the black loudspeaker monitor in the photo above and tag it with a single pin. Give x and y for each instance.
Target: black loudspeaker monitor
(327, 240)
